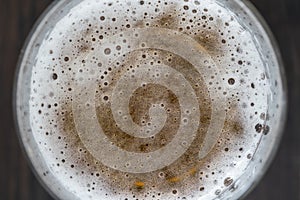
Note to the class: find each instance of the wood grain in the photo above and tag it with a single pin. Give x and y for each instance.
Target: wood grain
(282, 181)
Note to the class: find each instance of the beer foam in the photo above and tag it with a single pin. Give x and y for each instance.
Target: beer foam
(150, 99)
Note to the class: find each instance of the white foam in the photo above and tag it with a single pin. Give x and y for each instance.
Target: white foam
(89, 52)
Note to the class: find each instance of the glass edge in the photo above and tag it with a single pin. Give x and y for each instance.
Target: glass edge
(283, 117)
(255, 13)
(22, 52)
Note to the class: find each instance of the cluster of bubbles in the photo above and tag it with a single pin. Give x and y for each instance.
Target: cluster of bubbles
(148, 99)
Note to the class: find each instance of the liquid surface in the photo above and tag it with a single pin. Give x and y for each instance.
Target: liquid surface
(148, 99)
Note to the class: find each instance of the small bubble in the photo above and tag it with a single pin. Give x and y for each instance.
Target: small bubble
(105, 98)
(218, 192)
(54, 76)
(231, 81)
(118, 48)
(185, 7)
(107, 51)
(66, 59)
(249, 156)
(197, 3)
(102, 18)
(228, 181)
(161, 174)
(258, 128)
(202, 189)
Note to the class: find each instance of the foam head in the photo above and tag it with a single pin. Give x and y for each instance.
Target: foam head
(149, 100)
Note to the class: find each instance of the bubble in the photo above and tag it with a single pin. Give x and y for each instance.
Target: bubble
(228, 181)
(66, 59)
(54, 76)
(105, 98)
(107, 51)
(118, 47)
(218, 192)
(231, 81)
(249, 156)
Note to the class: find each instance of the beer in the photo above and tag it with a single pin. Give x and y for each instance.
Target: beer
(149, 99)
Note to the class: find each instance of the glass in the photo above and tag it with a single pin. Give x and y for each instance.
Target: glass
(269, 134)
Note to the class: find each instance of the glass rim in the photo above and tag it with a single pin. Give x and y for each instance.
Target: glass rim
(56, 4)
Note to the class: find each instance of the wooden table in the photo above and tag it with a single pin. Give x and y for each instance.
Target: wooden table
(282, 180)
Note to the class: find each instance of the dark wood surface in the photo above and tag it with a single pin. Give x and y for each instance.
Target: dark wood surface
(281, 182)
